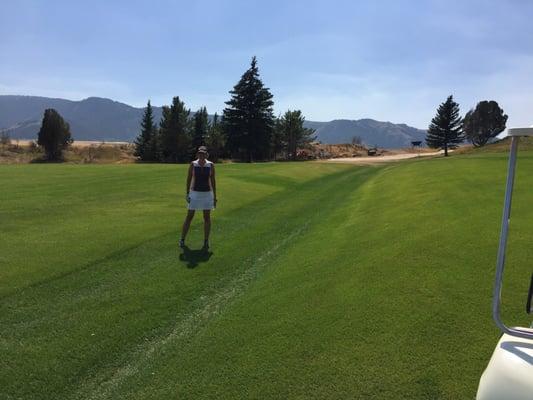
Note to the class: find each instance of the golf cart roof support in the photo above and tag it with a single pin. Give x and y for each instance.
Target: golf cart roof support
(496, 300)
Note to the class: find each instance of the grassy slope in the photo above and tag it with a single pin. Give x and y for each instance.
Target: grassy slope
(500, 146)
(326, 281)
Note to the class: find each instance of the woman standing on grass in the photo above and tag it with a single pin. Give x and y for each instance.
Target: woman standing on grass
(201, 193)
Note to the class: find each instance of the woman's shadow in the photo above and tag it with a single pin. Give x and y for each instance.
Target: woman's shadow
(195, 257)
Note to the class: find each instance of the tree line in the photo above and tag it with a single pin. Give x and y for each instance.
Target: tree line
(479, 126)
(246, 131)
(249, 131)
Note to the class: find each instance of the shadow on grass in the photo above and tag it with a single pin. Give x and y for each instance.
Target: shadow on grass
(195, 257)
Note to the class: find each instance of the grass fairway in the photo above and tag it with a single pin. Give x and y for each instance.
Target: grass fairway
(325, 281)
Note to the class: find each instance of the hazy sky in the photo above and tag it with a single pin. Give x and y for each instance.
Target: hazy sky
(389, 60)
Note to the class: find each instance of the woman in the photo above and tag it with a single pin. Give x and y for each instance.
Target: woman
(201, 193)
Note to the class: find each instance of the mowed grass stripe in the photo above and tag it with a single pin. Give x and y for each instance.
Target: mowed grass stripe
(76, 324)
(70, 216)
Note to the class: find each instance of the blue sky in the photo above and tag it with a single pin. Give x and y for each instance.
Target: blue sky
(388, 60)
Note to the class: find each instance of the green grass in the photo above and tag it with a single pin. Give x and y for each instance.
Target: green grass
(500, 146)
(324, 281)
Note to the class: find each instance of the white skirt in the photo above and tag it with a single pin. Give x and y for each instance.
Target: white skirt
(201, 200)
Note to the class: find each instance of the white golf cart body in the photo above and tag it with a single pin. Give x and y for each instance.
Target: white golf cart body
(509, 375)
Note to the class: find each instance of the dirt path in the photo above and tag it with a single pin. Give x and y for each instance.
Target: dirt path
(381, 159)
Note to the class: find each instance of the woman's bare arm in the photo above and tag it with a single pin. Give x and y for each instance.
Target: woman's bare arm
(213, 182)
(189, 179)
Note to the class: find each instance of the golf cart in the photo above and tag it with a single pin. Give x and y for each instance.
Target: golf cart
(509, 375)
(372, 151)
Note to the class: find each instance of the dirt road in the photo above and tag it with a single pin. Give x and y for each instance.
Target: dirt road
(381, 159)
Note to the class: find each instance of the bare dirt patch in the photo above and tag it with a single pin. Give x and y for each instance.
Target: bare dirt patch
(383, 158)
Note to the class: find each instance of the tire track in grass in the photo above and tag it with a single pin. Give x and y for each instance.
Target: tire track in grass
(208, 308)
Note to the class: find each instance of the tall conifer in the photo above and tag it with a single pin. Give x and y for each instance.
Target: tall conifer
(174, 133)
(54, 135)
(295, 136)
(445, 131)
(200, 128)
(146, 142)
(216, 140)
(248, 119)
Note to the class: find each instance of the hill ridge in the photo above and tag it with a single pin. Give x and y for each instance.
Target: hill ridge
(103, 119)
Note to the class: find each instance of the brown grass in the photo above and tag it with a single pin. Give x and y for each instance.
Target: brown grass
(21, 152)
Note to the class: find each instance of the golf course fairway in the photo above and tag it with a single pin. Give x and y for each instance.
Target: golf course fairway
(324, 281)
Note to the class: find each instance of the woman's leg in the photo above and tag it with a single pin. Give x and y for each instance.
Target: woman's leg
(207, 225)
(187, 224)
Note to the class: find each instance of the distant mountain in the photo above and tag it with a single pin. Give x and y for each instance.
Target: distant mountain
(371, 132)
(94, 118)
(103, 119)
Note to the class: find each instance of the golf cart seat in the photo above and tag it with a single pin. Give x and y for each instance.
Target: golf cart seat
(509, 374)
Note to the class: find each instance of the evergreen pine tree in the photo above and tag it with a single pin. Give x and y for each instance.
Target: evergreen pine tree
(484, 123)
(174, 133)
(294, 134)
(146, 142)
(154, 146)
(278, 141)
(54, 135)
(200, 128)
(216, 140)
(445, 131)
(248, 120)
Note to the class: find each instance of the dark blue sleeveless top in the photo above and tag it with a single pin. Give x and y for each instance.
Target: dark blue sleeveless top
(201, 175)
